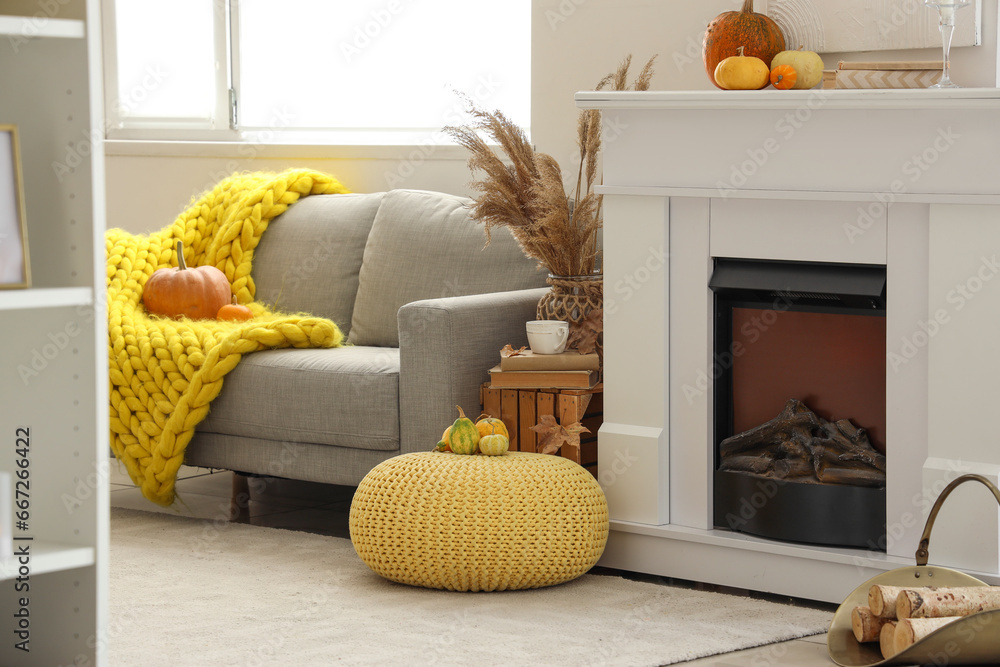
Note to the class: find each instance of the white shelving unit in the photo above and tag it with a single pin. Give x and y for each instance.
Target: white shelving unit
(53, 360)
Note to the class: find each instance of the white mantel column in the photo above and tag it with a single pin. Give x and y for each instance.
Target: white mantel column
(964, 384)
(634, 455)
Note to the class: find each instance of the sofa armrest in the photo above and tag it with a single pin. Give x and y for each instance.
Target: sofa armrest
(446, 349)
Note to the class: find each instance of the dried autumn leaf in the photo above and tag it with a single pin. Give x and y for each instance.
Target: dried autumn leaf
(552, 435)
(583, 334)
(508, 351)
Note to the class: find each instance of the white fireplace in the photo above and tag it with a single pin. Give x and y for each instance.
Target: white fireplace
(908, 180)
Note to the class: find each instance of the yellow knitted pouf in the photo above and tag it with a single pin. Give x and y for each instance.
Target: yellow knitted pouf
(479, 523)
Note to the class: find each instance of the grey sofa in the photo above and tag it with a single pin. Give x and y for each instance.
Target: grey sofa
(425, 308)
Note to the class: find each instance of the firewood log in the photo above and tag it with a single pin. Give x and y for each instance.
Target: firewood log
(758, 465)
(852, 443)
(869, 478)
(866, 625)
(940, 602)
(887, 639)
(794, 416)
(882, 600)
(791, 468)
(853, 433)
(911, 630)
(801, 446)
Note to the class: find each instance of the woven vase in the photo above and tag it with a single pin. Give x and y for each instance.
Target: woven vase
(571, 299)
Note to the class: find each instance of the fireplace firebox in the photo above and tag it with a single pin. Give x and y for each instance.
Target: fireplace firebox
(800, 401)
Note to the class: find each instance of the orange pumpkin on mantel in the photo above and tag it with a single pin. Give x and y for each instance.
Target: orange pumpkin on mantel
(759, 34)
(234, 312)
(197, 292)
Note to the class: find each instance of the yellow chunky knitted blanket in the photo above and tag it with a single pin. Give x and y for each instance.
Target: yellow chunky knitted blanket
(164, 373)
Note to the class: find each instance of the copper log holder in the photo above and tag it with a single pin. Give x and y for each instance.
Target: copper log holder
(973, 640)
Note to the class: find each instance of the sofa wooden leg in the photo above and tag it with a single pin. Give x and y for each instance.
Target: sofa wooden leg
(239, 503)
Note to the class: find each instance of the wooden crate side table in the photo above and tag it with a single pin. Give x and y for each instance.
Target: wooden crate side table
(520, 409)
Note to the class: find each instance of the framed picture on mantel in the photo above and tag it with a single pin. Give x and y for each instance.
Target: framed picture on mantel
(14, 271)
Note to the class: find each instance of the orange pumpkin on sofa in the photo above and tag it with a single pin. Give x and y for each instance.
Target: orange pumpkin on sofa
(234, 312)
(197, 292)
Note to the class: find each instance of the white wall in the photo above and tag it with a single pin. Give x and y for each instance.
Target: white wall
(574, 43)
(146, 192)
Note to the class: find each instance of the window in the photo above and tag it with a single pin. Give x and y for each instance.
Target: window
(354, 71)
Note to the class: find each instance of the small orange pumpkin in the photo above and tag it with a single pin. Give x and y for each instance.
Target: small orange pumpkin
(197, 293)
(487, 425)
(234, 312)
(784, 77)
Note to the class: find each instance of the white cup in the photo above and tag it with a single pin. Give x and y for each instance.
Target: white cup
(547, 336)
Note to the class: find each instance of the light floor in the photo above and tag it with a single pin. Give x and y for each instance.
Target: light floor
(323, 509)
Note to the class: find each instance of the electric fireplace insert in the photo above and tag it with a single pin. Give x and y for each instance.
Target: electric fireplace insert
(799, 369)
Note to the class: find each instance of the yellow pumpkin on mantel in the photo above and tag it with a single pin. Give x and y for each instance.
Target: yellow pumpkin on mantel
(742, 72)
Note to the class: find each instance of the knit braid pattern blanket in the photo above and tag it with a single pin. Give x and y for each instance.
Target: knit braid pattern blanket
(164, 373)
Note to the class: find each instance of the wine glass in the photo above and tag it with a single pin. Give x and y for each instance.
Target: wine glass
(946, 10)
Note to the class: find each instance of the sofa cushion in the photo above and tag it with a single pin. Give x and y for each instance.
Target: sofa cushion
(423, 245)
(345, 397)
(309, 259)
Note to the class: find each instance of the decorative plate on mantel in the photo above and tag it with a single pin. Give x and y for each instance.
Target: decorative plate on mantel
(830, 26)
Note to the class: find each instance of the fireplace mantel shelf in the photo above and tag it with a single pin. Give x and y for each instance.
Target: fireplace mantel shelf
(803, 195)
(791, 99)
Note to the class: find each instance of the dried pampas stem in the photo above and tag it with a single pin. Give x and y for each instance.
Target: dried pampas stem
(642, 81)
(524, 190)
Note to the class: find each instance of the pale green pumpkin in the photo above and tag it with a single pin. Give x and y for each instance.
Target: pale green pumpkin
(494, 445)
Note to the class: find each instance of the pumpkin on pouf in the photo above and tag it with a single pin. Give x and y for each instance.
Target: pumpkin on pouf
(758, 34)
(487, 425)
(462, 435)
(197, 293)
(494, 445)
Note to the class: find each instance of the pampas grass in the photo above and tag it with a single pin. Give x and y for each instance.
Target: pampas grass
(524, 190)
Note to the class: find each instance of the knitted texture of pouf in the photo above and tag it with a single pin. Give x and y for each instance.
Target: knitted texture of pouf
(479, 523)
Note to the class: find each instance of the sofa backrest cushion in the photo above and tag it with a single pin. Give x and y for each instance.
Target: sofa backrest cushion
(423, 245)
(310, 256)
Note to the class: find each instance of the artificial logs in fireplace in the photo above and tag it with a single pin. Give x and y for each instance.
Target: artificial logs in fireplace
(799, 445)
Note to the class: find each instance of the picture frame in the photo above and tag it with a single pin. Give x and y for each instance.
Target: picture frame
(14, 262)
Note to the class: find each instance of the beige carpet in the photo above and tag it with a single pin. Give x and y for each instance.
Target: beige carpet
(189, 592)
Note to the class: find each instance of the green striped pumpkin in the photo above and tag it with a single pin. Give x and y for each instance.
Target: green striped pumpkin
(463, 434)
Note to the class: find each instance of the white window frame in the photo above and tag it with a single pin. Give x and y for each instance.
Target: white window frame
(221, 127)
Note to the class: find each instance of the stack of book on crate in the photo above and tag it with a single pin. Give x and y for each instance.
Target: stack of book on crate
(890, 74)
(566, 370)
